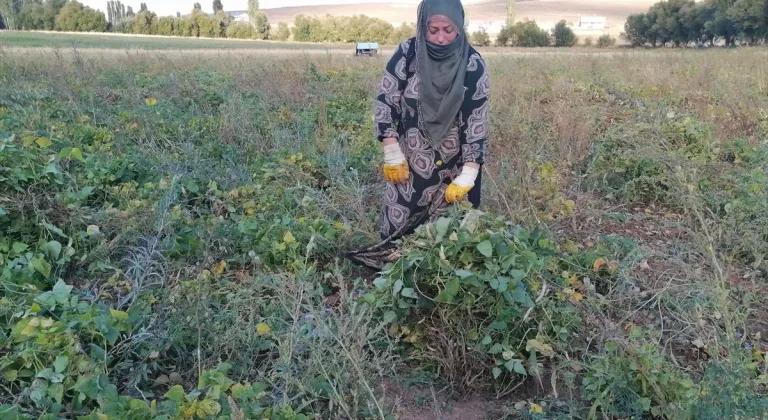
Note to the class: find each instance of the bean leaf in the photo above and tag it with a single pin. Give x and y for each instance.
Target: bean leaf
(485, 248)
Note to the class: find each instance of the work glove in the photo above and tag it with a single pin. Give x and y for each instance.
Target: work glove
(460, 186)
(395, 165)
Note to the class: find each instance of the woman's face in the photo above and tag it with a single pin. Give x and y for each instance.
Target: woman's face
(441, 30)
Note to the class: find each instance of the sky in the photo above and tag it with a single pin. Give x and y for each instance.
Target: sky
(170, 7)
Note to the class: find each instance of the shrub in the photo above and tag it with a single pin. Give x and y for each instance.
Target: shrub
(240, 30)
(528, 34)
(481, 38)
(563, 35)
(588, 41)
(480, 283)
(283, 32)
(634, 378)
(502, 38)
(605, 41)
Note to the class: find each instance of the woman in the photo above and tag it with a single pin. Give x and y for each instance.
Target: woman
(432, 118)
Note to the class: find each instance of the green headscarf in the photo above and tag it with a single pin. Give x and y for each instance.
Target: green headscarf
(442, 69)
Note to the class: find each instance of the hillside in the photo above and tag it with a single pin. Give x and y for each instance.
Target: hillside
(545, 12)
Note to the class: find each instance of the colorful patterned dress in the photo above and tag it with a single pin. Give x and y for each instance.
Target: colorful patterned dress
(422, 197)
(431, 170)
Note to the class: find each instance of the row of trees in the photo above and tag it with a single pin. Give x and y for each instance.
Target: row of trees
(66, 15)
(686, 22)
(349, 29)
(529, 34)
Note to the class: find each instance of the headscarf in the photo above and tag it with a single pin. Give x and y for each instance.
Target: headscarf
(442, 69)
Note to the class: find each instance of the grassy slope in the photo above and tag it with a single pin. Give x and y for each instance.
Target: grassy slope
(661, 158)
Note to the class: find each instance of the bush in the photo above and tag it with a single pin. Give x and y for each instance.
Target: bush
(588, 41)
(634, 378)
(502, 38)
(529, 35)
(563, 35)
(480, 282)
(283, 32)
(74, 17)
(481, 38)
(240, 30)
(605, 41)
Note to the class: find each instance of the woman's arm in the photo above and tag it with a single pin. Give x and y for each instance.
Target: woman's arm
(388, 110)
(474, 137)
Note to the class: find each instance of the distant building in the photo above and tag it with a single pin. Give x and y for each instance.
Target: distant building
(591, 23)
(492, 27)
(239, 15)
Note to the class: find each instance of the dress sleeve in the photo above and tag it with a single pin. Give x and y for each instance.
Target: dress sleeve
(475, 111)
(388, 109)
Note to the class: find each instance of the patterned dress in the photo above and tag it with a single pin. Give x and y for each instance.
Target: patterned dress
(431, 170)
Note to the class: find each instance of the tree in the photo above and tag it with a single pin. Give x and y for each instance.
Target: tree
(143, 7)
(115, 11)
(510, 21)
(253, 10)
(563, 35)
(38, 15)
(75, 17)
(10, 11)
(749, 18)
(260, 25)
(144, 23)
(31, 16)
(502, 38)
(129, 12)
(197, 6)
(283, 32)
(240, 30)
(402, 32)
(178, 15)
(302, 28)
(481, 38)
(528, 34)
(217, 6)
(2, 23)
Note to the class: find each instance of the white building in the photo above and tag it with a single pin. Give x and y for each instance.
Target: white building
(591, 23)
(493, 27)
(239, 15)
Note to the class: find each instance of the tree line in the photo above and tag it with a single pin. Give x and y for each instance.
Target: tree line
(73, 16)
(681, 23)
(528, 34)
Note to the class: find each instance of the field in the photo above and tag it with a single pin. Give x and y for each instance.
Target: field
(171, 231)
(101, 41)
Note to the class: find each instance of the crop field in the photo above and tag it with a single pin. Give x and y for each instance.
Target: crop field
(171, 232)
(101, 41)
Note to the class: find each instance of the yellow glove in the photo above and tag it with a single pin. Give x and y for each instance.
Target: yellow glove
(461, 185)
(395, 166)
(455, 193)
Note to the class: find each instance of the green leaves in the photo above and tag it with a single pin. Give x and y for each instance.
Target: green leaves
(60, 364)
(516, 365)
(485, 248)
(72, 153)
(441, 227)
(39, 264)
(53, 249)
(58, 296)
(450, 291)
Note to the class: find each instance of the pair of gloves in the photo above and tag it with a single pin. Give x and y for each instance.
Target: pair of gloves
(396, 171)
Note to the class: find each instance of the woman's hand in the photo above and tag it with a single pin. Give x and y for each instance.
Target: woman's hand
(463, 183)
(395, 165)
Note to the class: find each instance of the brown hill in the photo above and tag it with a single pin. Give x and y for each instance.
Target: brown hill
(545, 12)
